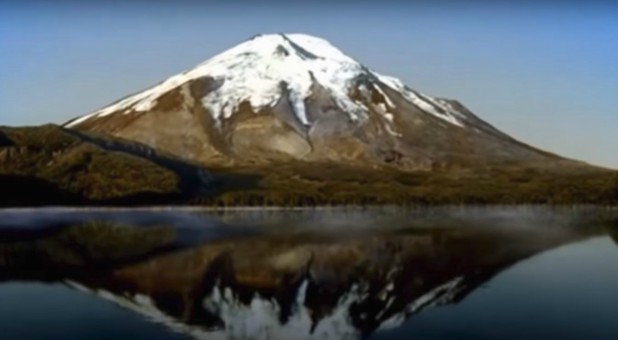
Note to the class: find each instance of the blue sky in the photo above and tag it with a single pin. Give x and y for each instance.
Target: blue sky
(544, 72)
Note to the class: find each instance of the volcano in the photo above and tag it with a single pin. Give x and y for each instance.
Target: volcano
(293, 97)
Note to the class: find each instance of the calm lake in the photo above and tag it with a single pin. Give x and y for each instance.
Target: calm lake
(381, 273)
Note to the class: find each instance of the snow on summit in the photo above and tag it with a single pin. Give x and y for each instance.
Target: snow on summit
(255, 71)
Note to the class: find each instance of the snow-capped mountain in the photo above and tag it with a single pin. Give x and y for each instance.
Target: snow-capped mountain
(295, 96)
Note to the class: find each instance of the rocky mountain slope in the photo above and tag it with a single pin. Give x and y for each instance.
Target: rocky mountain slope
(295, 97)
(50, 165)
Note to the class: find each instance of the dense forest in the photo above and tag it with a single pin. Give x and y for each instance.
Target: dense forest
(310, 184)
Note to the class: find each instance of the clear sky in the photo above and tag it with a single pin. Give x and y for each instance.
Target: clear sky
(544, 72)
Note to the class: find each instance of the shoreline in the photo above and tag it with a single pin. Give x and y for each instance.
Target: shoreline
(185, 208)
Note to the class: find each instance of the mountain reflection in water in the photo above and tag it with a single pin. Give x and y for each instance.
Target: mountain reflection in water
(307, 275)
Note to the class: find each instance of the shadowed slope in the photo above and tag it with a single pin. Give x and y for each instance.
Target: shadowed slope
(51, 165)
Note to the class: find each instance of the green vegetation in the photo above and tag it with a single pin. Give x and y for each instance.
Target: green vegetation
(52, 165)
(328, 184)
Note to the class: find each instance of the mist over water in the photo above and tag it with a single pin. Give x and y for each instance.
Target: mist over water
(379, 273)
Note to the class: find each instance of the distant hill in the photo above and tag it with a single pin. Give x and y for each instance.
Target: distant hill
(50, 165)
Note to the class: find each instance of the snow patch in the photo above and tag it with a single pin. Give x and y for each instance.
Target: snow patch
(389, 102)
(144, 305)
(424, 102)
(437, 296)
(260, 319)
(382, 109)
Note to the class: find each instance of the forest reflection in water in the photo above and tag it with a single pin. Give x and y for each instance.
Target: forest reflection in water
(384, 273)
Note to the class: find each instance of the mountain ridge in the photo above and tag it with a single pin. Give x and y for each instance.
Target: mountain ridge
(281, 97)
(50, 165)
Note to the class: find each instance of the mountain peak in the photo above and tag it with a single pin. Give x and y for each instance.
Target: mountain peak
(261, 69)
(295, 44)
(254, 70)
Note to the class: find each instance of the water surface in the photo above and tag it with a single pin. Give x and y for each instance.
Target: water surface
(384, 273)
